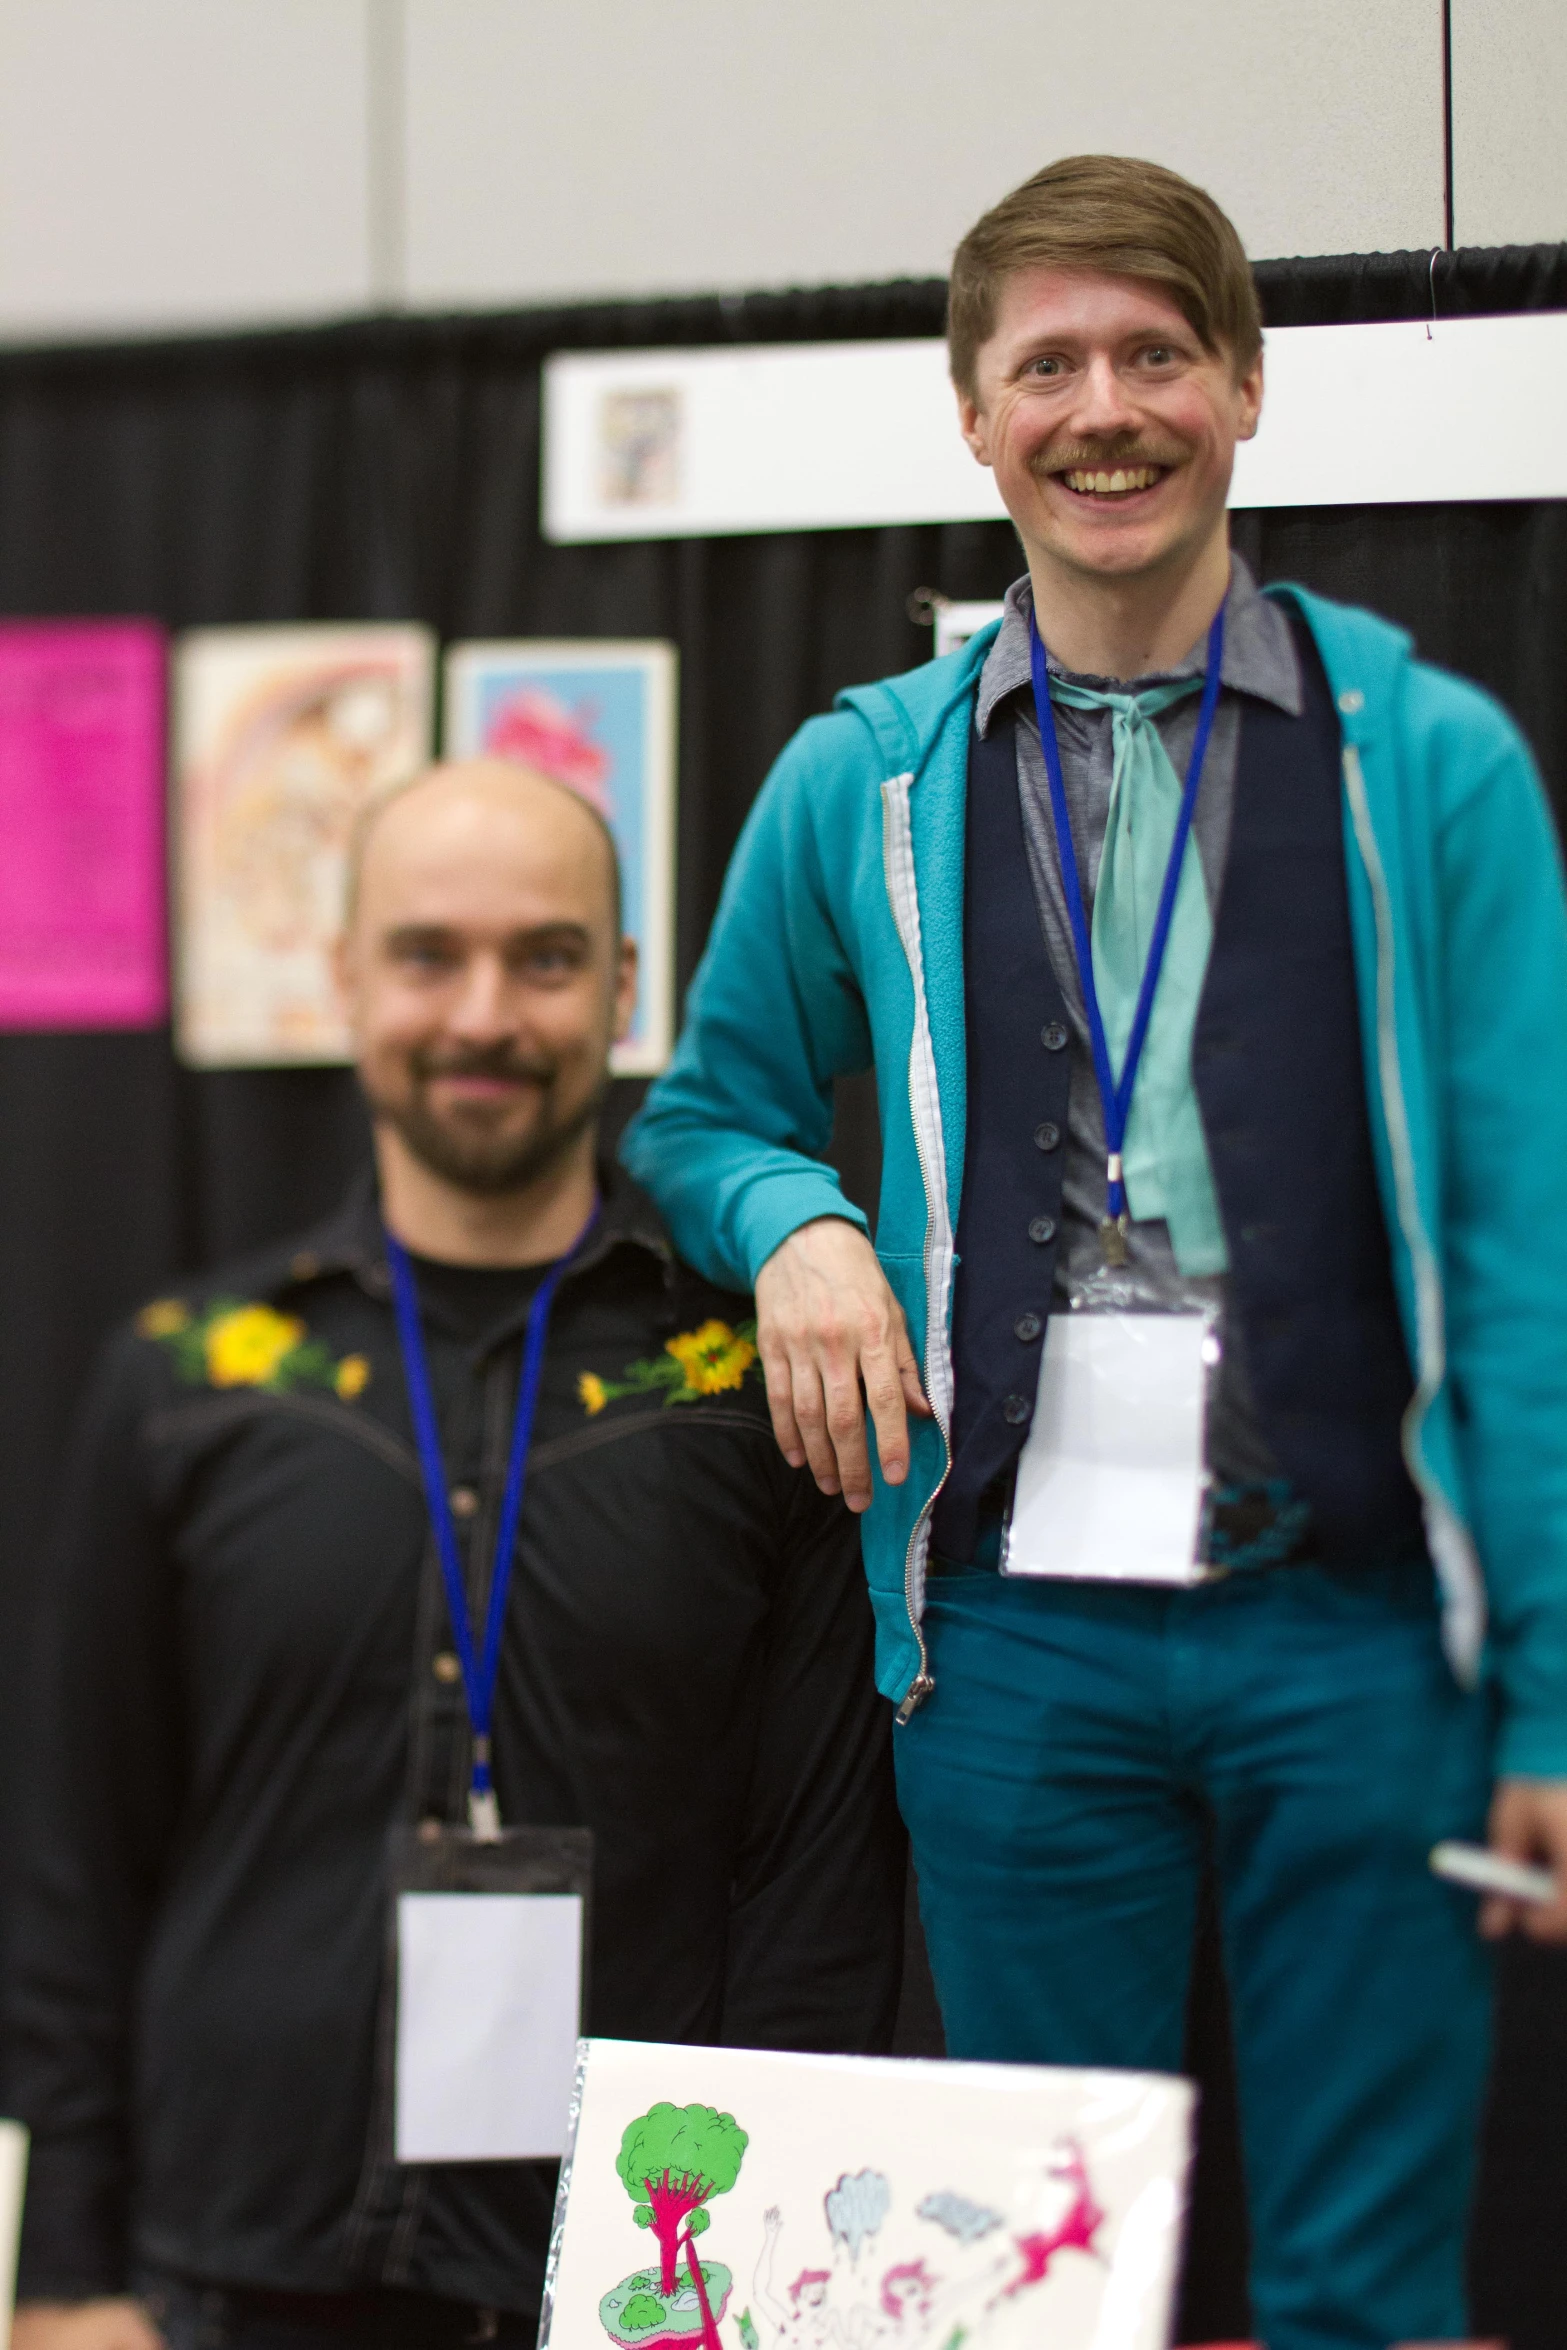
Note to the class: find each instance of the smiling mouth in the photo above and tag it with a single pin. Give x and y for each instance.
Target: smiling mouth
(1120, 481)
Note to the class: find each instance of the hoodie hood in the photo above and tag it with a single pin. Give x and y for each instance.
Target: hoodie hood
(906, 714)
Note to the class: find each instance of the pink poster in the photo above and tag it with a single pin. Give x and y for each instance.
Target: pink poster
(82, 929)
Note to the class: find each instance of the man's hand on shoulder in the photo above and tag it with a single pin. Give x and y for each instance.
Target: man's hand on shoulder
(84, 2325)
(1529, 1823)
(833, 1340)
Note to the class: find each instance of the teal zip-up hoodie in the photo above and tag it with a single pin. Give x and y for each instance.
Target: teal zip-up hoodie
(838, 946)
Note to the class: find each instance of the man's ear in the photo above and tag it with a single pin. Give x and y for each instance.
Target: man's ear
(626, 974)
(1250, 391)
(972, 424)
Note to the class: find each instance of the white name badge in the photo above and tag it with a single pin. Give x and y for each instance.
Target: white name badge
(1111, 1482)
(489, 2009)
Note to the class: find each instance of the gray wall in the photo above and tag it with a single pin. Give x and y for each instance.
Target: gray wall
(195, 162)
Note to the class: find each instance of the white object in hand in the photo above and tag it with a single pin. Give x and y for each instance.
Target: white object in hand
(1489, 1872)
(13, 2178)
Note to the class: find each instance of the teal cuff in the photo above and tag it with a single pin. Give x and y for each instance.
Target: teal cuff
(777, 1205)
(1532, 1746)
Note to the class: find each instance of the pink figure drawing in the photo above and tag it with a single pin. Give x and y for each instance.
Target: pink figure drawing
(908, 2287)
(1075, 2233)
(536, 730)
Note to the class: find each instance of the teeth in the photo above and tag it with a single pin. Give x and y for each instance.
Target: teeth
(1116, 484)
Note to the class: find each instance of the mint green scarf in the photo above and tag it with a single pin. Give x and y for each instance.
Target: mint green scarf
(1164, 1156)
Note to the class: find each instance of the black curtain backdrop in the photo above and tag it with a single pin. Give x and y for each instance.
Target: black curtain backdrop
(388, 469)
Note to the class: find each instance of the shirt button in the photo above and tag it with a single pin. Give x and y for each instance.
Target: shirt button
(1042, 1229)
(1047, 1135)
(446, 1668)
(464, 1501)
(1052, 1036)
(1027, 1327)
(1015, 1410)
(305, 1266)
(429, 1831)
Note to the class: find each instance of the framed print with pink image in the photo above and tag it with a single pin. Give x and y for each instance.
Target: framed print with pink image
(598, 716)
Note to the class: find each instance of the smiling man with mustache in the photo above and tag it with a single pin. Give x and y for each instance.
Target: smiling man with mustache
(252, 1675)
(1318, 880)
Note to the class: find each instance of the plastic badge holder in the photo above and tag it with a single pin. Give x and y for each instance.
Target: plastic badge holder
(1112, 1482)
(489, 1943)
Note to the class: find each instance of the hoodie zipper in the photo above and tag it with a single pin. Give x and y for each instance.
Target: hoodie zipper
(924, 1680)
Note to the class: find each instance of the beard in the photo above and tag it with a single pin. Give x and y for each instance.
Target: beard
(467, 1150)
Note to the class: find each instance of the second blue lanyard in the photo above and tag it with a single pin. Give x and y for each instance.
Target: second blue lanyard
(479, 1666)
(1115, 1091)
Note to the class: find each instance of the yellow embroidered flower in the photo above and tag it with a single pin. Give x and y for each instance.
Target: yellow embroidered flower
(712, 1358)
(163, 1317)
(245, 1347)
(592, 1393)
(353, 1377)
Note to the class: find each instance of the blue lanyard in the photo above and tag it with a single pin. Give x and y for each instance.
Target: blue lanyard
(479, 1670)
(1116, 1095)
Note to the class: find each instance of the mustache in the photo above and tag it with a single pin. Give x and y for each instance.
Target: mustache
(1095, 456)
(502, 1063)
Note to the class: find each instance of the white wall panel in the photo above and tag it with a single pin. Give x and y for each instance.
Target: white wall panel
(622, 146)
(1509, 121)
(181, 162)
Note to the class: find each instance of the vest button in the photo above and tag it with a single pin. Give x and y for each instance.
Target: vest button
(1046, 1135)
(1015, 1410)
(1041, 1230)
(1027, 1327)
(1053, 1036)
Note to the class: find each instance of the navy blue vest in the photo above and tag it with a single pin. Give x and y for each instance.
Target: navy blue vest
(1281, 1085)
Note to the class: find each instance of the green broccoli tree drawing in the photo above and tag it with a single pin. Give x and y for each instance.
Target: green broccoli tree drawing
(672, 2161)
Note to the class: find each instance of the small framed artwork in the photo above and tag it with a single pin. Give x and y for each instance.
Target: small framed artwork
(736, 2199)
(280, 736)
(599, 717)
(639, 446)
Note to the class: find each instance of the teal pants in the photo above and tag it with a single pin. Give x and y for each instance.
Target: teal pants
(1086, 1748)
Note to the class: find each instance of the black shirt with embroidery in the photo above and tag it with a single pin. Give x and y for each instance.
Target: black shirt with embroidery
(247, 1678)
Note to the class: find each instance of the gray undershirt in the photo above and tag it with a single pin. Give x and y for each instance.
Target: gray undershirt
(1260, 662)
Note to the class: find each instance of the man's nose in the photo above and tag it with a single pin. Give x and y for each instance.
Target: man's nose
(480, 1008)
(1102, 406)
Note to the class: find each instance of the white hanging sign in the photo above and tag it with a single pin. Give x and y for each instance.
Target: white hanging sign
(844, 436)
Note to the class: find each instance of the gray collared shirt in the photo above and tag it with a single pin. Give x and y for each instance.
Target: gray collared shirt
(1259, 662)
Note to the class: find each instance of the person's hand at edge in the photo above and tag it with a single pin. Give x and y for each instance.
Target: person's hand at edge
(84, 2325)
(833, 1341)
(1529, 1823)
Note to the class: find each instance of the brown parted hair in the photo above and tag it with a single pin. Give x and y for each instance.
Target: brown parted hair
(1119, 217)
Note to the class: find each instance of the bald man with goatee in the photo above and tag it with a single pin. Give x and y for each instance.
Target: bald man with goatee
(252, 1679)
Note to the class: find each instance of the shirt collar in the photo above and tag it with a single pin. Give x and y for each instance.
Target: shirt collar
(1259, 652)
(351, 1240)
